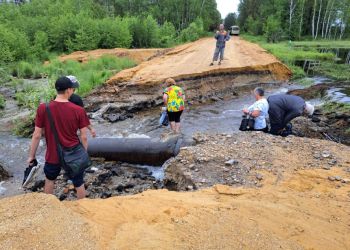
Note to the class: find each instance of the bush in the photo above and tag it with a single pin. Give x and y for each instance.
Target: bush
(27, 70)
(114, 33)
(145, 32)
(297, 71)
(167, 35)
(273, 30)
(254, 27)
(14, 45)
(41, 46)
(192, 32)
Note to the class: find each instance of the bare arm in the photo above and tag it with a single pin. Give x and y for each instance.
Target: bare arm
(34, 143)
(165, 99)
(255, 113)
(92, 131)
(83, 137)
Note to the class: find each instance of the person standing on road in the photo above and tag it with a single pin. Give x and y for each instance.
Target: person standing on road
(221, 36)
(283, 109)
(174, 100)
(68, 118)
(259, 110)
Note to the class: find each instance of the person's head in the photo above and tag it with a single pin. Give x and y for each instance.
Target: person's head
(170, 82)
(258, 93)
(309, 109)
(221, 27)
(74, 98)
(66, 85)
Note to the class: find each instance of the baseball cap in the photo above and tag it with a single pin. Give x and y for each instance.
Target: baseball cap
(66, 82)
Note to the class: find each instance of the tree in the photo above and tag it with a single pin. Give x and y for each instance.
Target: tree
(272, 29)
(230, 20)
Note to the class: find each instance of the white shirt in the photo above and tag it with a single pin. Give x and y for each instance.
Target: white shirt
(263, 106)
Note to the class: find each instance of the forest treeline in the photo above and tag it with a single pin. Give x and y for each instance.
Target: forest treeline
(295, 19)
(31, 30)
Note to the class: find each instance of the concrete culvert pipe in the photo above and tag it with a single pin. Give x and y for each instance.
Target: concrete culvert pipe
(144, 151)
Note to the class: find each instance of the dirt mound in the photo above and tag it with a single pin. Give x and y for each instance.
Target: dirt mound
(138, 55)
(240, 159)
(298, 206)
(305, 210)
(38, 221)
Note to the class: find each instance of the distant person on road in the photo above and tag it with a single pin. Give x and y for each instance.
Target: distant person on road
(76, 99)
(174, 100)
(283, 109)
(259, 110)
(221, 36)
(68, 119)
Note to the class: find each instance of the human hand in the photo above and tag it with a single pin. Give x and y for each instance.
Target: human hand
(245, 111)
(93, 132)
(30, 160)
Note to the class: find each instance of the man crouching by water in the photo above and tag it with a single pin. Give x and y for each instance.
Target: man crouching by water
(283, 109)
(259, 110)
(68, 118)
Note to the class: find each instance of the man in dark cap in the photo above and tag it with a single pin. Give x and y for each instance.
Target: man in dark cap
(68, 119)
(283, 109)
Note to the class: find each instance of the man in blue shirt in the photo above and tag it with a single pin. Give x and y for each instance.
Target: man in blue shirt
(221, 36)
(259, 110)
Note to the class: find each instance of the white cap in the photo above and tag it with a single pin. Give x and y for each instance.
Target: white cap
(73, 79)
(309, 108)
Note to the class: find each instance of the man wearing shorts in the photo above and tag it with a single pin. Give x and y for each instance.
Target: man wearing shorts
(174, 100)
(68, 119)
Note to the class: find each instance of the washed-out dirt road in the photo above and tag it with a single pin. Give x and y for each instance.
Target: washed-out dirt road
(245, 65)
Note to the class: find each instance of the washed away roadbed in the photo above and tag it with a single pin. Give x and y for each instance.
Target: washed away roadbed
(245, 65)
(302, 202)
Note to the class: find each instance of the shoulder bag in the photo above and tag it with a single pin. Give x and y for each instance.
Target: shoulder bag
(74, 160)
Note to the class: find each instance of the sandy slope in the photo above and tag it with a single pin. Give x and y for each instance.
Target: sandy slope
(193, 59)
(138, 55)
(298, 208)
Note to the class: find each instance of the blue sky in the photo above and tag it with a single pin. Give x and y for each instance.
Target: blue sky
(227, 6)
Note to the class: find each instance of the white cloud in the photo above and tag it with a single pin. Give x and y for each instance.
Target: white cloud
(227, 6)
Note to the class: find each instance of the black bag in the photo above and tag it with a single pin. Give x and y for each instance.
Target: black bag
(247, 123)
(74, 160)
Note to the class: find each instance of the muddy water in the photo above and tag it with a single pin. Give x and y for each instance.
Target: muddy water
(222, 116)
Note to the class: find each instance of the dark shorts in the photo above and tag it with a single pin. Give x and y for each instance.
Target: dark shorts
(52, 171)
(174, 116)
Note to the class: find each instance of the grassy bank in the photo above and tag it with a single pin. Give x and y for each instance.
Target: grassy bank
(29, 95)
(292, 52)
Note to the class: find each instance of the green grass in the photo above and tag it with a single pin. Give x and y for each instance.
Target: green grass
(290, 53)
(339, 72)
(90, 75)
(323, 44)
(331, 107)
